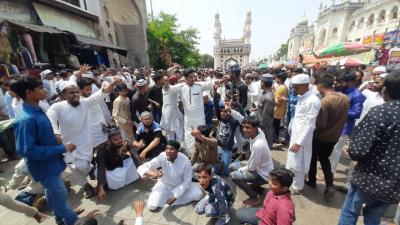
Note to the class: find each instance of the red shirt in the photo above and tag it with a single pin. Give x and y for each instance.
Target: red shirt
(277, 210)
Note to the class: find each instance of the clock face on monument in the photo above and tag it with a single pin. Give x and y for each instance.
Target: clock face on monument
(124, 12)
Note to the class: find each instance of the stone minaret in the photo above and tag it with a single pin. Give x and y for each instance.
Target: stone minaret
(218, 30)
(247, 29)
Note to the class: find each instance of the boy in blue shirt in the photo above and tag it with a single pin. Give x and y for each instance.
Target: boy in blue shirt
(36, 142)
(219, 196)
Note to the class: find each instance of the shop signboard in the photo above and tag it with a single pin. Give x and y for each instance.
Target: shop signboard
(394, 55)
(373, 39)
(390, 37)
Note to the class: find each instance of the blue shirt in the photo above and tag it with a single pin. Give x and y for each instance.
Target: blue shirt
(209, 113)
(355, 109)
(292, 102)
(36, 142)
(219, 193)
(10, 110)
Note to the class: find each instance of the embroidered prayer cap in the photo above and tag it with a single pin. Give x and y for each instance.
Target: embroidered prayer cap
(383, 75)
(267, 78)
(88, 75)
(301, 79)
(65, 84)
(141, 82)
(379, 69)
(45, 73)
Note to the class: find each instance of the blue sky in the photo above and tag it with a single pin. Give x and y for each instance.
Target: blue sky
(271, 20)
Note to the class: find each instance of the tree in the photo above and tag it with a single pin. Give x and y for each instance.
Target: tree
(207, 61)
(167, 45)
(281, 53)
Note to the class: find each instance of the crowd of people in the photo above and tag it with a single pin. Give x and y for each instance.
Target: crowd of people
(193, 131)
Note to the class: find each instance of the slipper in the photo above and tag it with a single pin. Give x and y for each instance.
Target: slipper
(79, 211)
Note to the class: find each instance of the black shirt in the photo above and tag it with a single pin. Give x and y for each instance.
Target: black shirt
(139, 104)
(156, 95)
(148, 136)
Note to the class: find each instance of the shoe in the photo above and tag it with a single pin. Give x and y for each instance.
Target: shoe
(341, 189)
(39, 202)
(311, 184)
(329, 192)
(88, 191)
(297, 192)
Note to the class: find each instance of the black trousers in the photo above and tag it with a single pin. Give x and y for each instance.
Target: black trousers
(277, 128)
(321, 151)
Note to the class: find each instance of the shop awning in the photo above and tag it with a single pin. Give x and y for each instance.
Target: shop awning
(33, 27)
(91, 41)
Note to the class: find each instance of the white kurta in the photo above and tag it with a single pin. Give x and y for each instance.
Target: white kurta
(193, 107)
(373, 99)
(122, 176)
(176, 182)
(169, 118)
(301, 128)
(97, 120)
(74, 125)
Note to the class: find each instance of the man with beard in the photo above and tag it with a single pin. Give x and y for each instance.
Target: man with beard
(115, 164)
(71, 123)
(301, 128)
(149, 140)
(265, 108)
(140, 101)
(373, 95)
(174, 173)
(345, 84)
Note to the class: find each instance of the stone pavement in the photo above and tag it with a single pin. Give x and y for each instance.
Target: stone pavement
(311, 208)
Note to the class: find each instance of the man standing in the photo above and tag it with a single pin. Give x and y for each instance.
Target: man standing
(140, 102)
(301, 128)
(375, 147)
(36, 142)
(71, 122)
(345, 83)
(265, 109)
(191, 95)
(329, 126)
(174, 185)
(156, 96)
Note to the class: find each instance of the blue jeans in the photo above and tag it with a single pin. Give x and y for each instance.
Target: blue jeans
(56, 195)
(352, 206)
(226, 158)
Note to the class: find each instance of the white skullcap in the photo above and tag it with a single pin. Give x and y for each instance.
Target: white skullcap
(141, 82)
(45, 73)
(65, 84)
(383, 75)
(379, 69)
(301, 79)
(88, 75)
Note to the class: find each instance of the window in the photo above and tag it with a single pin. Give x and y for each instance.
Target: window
(382, 15)
(371, 20)
(353, 24)
(73, 2)
(334, 33)
(360, 24)
(394, 13)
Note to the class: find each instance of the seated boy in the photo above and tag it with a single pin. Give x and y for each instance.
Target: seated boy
(206, 149)
(278, 206)
(216, 204)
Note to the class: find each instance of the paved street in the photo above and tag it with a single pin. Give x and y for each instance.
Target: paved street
(311, 208)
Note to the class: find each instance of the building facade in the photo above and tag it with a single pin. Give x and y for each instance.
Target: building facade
(232, 51)
(373, 22)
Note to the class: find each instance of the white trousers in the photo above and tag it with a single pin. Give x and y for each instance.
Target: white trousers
(175, 135)
(190, 125)
(80, 169)
(20, 172)
(161, 193)
(337, 152)
(122, 176)
(298, 180)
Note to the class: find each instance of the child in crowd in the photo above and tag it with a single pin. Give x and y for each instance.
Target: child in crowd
(278, 206)
(228, 121)
(121, 112)
(219, 199)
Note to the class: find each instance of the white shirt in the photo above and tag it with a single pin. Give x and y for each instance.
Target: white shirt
(373, 99)
(255, 91)
(302, 129)
(260, 158)
(74, 125)
(177, 175)
(192, 100)
(97, 120)
(17, 106)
